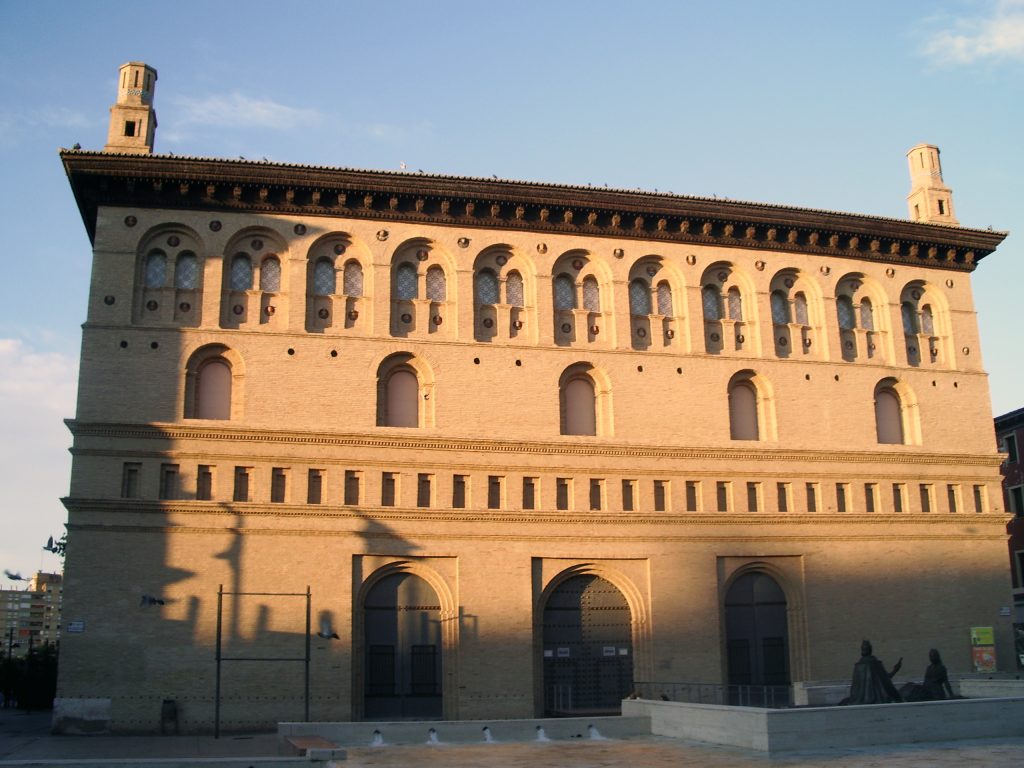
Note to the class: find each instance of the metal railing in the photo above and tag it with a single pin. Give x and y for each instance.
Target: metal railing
(763, 696)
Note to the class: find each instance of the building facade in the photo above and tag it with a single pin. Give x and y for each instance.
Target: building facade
(527, 447)
(31, 618)
(1010, 439)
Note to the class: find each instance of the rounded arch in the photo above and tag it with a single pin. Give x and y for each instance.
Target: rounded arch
(230, 393)
(394, 397)
(763, 405)
(425, 253)
(907, 412)
(339, 248)
(169, 276)
(157, 237)
(449, 608)
(634, 597)
(574, 413)
(928, 310)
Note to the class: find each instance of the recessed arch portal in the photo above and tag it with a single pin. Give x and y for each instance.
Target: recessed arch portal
(756, 633)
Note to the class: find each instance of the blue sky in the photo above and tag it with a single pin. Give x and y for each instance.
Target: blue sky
(808, 104)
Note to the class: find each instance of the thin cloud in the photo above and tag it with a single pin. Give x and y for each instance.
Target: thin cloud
(236, 110)
(996, 36)
(16, 124)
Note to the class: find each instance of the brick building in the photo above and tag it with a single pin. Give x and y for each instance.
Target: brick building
(528, 446)
(1010, 439)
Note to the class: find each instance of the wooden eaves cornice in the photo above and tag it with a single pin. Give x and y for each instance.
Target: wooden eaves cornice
(165, 181)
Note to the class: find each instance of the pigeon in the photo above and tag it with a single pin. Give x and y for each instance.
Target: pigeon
(50, 546)
(15, 576)
(325, 630)
(148, 600)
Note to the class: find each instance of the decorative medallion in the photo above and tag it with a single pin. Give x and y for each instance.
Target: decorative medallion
(437, 319)
(566, 328)
(577, 264)
(238, 309)
(740, 338)
(109, 300)
(334, 353)
(518, 325)
(912, 351)
(670, 333)
(185, 306)
(691, 259)
(323, 313)
(299, 229)
(618, 253)
(595, 329)
(123, 344)
(130, 221)
(825, 269)
(257, 245)
(353, 314)
(788, 282)
(722, 276)
(759, 265)
(542, 248)
(849, 344)
(215, 226)
(807, 342)
(651, 270)
(463, 242)
(501, 259)
(641, 332)
(270, 309)
(715, 337)
(151, 305)
(890, 272)
(488, 323)
(422, 254)
(966, 350)
(916, 294)
(339, 248)
(382, 234)
(782, 341)
(949, 283)
(406, 318)
(173, 241)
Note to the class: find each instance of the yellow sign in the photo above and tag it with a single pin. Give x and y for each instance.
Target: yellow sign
(982, 636)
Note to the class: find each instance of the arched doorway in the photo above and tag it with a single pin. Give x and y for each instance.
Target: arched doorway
(402, 632)
(756, 633)
(587, 646)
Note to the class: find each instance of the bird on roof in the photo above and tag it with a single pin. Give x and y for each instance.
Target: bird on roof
(76, 145)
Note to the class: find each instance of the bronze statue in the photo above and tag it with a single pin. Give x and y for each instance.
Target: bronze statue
(936, 682)
(871, 684)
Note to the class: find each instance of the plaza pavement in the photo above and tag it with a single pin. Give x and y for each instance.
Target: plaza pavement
(25, 740)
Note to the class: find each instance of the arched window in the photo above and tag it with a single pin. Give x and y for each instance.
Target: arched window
(352, 279)
(867, 315)
(579, 406)
(406, 282)
(639, 298)
(323, 278)
(402, 392)
(927, 321)
(909, 320)
(844, 310)
(486, 287)
(800, 306)
(270, 275)
(437, 285)
(780, 308)
(888, 416)
(186, 272)
(565, 293)
(665, 299)
(213, 390)
(156, 270)
(712, 302)
(241, 273)
(743, 411)
(514, 294)
(735, 304)
(591, 294)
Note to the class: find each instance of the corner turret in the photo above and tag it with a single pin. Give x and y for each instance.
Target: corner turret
(132, 119)
(930, 200)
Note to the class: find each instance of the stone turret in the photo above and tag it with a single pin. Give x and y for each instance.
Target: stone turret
(132, 119)
(930, 200)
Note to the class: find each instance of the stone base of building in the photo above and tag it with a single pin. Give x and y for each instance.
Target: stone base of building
(81, 716)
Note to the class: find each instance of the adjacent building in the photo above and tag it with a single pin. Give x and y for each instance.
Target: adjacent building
(31, 618)
(509, 448)
(1010, 439)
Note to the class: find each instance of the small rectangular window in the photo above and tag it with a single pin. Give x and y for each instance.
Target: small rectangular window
(841, 497)
(812, 497)
(691, 496)
(783, 492)
(926, 497)
(387, 489)
(241, 491)
(979, 498)
(351, 487)
(722, 495)
(458, 491)
(168, 481)
(314, 486)
(1010, 446)
(942, 207)
(494, 484)
(628, 492)
(869, 497)
(660, 495)
(130, 479)
(529, 493)
(753, 491)
(562, 485)
(204, 482)
(129, 127)
(596, 492)
(278, 485)
(953, 498)
(898, 491)
(1016, 500)
(423, 490)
